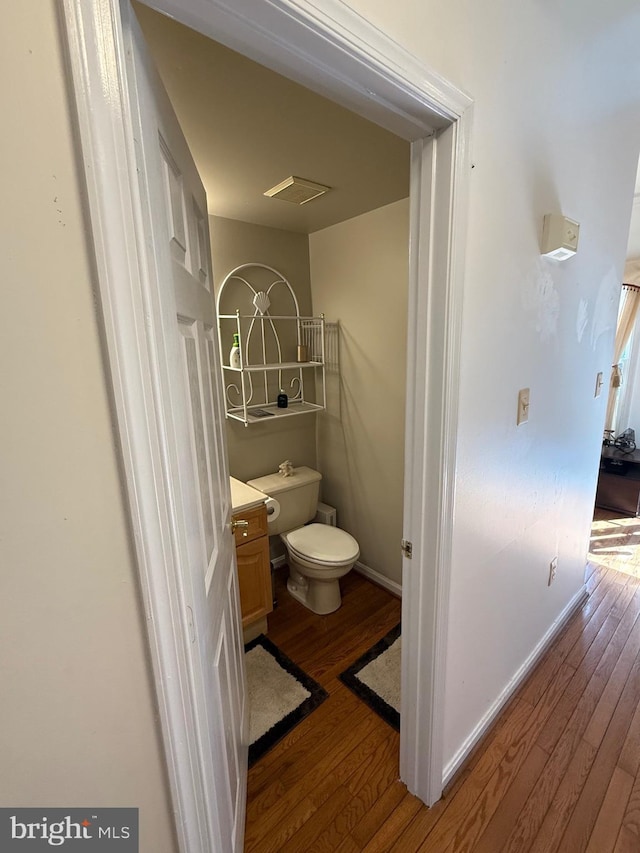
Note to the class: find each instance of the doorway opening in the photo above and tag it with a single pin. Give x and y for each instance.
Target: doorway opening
(616, 521)
(358, 66)
(348, 261)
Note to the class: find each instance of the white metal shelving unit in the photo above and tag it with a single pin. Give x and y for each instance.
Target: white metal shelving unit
(269, 348)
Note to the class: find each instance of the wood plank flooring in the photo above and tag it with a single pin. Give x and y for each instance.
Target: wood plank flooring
(559, 771)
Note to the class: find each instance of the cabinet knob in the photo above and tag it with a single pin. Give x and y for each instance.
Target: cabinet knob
(240, 523)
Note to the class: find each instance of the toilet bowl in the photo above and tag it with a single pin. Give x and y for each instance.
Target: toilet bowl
(318, 554)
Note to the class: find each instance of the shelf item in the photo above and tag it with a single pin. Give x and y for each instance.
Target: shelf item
(285, 365)
(269, 346)
(257, 414)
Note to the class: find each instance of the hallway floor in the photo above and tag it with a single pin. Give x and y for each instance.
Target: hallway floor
(558, 771)
(615, 542)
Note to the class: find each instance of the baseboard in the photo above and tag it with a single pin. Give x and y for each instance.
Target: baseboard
(523, 672)
(255, 629)
(374, 576)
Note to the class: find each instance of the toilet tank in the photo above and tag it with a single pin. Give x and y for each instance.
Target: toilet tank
(297, 495)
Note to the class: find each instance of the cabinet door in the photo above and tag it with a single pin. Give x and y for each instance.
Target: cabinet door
(254, 576)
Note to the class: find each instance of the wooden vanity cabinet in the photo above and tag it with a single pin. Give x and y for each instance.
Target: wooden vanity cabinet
(254, 566)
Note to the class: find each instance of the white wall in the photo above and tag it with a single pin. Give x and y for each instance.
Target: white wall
(79, 723)
(359, 277)
(556, 128)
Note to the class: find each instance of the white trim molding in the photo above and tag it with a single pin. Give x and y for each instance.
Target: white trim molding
(362, 569)
(278, 562)
(328, 47)
(439, 186)
(485, 723)
(379, 579)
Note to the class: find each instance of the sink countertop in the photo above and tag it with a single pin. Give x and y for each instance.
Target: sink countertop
(244, 496)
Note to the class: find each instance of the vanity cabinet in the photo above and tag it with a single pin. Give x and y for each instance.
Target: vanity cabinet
(254, 567)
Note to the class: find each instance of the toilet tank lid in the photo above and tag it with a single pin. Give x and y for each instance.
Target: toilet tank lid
(273, 484)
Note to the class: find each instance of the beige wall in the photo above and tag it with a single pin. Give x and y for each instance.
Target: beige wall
(78, 719)
(259, 448)
(359, 275)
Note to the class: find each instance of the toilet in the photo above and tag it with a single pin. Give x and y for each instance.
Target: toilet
(319, 554)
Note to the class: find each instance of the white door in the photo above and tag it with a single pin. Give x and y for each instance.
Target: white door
(182, 316)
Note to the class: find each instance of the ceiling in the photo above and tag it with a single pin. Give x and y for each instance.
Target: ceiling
(249, 128)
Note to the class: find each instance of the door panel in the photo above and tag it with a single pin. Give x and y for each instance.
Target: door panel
(200, 406)
(181, 315)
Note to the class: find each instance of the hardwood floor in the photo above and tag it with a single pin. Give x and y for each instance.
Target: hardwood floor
(558, 772)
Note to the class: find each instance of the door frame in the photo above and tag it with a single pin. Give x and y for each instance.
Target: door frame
(329, 48)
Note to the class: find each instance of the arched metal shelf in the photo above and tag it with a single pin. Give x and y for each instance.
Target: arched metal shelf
(278, 352)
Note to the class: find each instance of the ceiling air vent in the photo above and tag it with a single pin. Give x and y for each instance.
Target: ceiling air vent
(297, 190)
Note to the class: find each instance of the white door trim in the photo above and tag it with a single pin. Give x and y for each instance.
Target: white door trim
(439, 181)
(331, 49)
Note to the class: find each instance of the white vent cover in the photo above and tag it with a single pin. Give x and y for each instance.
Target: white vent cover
(297, 190)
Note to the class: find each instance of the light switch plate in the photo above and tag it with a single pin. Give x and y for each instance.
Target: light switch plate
(599, 381)
(523, 406)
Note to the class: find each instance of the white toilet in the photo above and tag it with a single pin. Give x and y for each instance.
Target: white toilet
(319, 554)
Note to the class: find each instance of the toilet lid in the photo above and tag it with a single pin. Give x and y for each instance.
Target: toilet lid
(323, 543)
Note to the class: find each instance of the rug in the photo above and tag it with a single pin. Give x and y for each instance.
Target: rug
(375, 677)
(281, 695)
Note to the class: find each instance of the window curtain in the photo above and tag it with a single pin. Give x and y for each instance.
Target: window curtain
(626, 320)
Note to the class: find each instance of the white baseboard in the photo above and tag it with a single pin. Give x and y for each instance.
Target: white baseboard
(371, 574)
(380, 580)
(525, 670)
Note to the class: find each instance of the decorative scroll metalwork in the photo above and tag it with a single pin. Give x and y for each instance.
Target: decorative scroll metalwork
(276, 347)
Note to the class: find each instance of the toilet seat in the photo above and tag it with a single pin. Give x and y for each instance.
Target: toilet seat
(323, 544)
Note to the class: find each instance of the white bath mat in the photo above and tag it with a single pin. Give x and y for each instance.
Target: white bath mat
(281, 695)
(375, 677)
